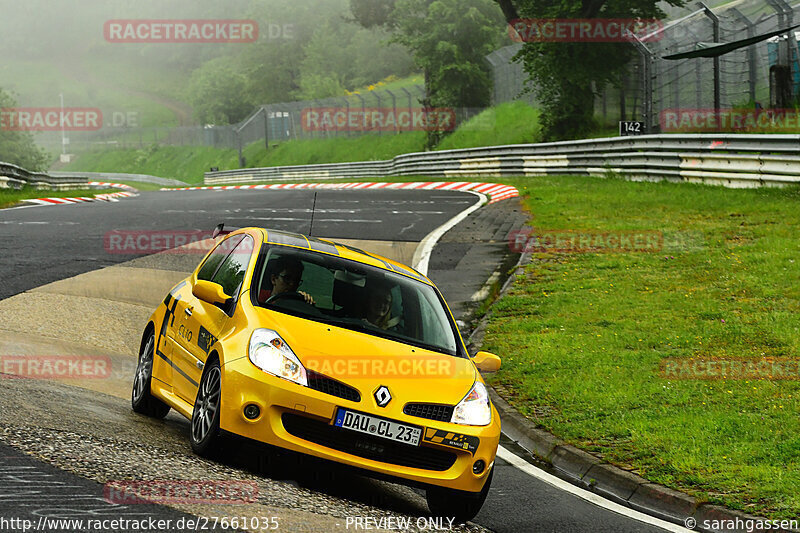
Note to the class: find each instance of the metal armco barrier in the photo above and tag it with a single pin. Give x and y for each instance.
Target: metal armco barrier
(732, 160)
(118, 176)
(14, 177)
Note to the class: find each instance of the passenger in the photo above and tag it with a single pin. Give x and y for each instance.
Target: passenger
(284, 275)
(378, 306)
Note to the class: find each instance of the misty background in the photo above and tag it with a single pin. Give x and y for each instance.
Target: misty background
(307, 50)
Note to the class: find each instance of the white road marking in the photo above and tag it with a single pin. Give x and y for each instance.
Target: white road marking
(590, 497)
(21, 207)
(483, 292)
(288, 219)
(417, 212)
(422, 255)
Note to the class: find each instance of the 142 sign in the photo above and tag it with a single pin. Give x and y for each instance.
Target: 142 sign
(630, 127)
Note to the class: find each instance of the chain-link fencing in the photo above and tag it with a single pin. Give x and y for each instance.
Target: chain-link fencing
(746, 78)
(270, 124)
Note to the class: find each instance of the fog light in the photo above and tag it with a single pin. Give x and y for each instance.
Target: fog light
(251, 412)
(478, 467)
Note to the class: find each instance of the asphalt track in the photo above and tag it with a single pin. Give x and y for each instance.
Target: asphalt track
(44, 244)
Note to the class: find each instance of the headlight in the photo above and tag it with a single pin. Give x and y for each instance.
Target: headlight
(269, 352)
(474, 409)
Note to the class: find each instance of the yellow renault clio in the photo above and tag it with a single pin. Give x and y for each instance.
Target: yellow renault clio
(326, 350)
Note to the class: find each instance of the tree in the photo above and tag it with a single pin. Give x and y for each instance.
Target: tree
(372, 13)
(566, 75)
(344, 56)
(449, 40)
(217, 93)
(19, 147)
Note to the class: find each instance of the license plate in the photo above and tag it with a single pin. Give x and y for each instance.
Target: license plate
(379, 427)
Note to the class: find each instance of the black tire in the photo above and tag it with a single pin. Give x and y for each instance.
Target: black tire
(142, 401)
(204, 432)
(463, 506)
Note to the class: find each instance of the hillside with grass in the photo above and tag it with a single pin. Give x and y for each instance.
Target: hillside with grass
(510, 123)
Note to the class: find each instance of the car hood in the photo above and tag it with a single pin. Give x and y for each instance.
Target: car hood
(367, 362)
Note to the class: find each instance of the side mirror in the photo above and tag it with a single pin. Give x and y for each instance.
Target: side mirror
(487, 362)
(210, 292)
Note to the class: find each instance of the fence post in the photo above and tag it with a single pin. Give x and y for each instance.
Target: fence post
(647, 70)
(715, 21)
(394, 109)
(751, 52)
(787, 10)
(378, 96)
(266, 127)
(622, 86)
(363, 108)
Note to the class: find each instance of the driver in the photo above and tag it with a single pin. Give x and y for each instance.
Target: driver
(378, 305)
(284, 275)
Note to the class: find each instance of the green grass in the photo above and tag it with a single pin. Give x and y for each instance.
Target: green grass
(186, 163)
(394, 84)
(9, 197)
(509, 123)
(582, 335)
(335, 150)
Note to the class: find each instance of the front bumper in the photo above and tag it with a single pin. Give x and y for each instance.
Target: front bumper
(300, 419)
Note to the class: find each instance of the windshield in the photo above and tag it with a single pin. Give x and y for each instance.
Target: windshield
(354, 296)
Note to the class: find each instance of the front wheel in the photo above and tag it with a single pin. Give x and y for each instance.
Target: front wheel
(205, 435)
(142, 401)
(457, 504)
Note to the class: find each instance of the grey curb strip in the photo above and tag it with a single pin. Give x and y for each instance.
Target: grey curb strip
(591, 473)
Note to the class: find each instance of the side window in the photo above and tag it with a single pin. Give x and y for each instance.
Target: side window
(231, 273)
(213, 261)
(435, 327)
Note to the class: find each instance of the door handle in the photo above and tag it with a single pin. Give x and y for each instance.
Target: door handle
(188, 311)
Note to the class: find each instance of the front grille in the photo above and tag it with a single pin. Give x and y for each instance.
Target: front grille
(431, 411)
(367, 446)
(331, 386)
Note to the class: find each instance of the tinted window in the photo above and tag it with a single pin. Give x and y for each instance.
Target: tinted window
(355, 296)
(231, 273)
(213, 261)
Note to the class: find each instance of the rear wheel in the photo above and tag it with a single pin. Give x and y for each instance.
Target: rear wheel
(142, 401)
(463, 506)
(205, 435)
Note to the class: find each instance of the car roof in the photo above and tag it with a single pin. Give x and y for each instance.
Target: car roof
(345, 251)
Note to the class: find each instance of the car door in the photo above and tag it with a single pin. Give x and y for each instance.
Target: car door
(165, 337)
(202, 322)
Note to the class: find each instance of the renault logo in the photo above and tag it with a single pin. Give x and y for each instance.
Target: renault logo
(382, 396)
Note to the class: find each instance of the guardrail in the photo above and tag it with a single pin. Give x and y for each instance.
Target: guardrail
(14, 177)
(117, 176)
(731, 160)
